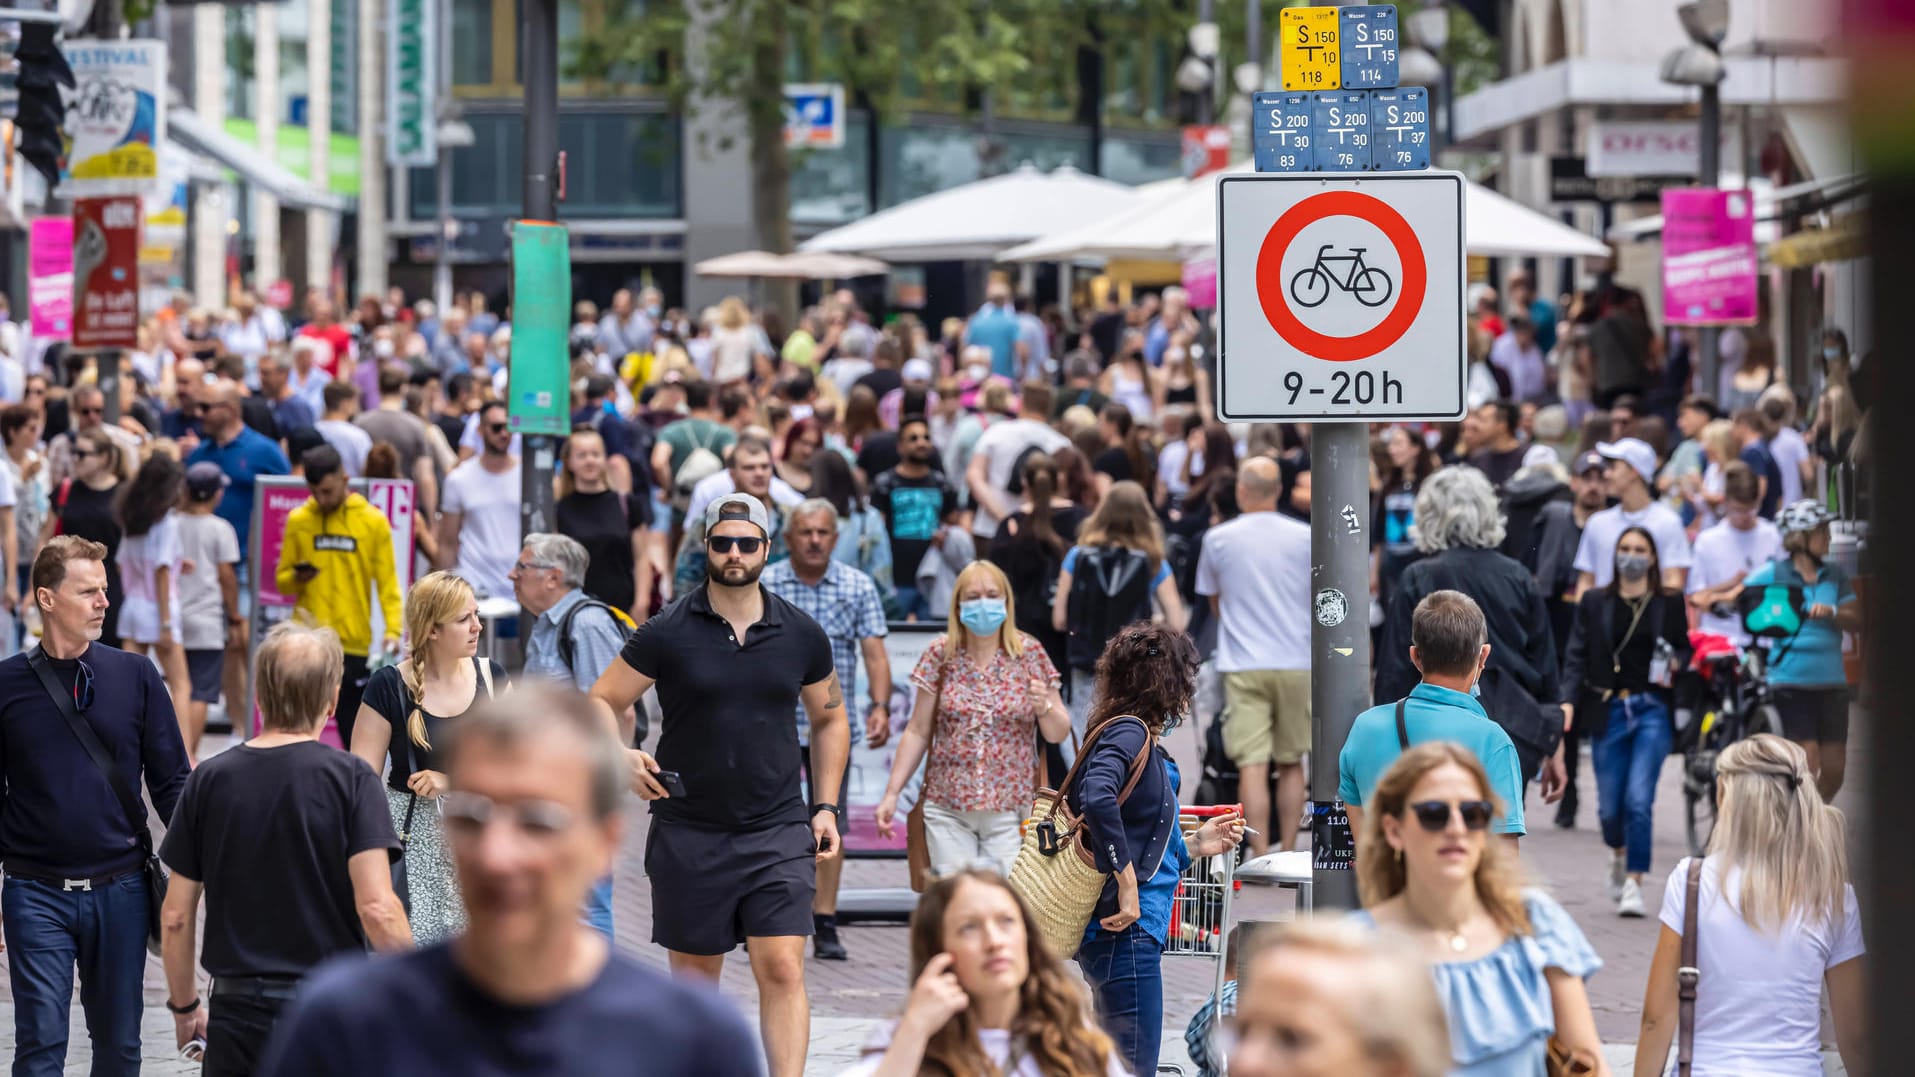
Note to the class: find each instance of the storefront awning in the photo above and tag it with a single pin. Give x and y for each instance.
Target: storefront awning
(258, 169)
(1844, 239)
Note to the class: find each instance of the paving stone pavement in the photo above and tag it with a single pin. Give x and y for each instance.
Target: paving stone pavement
(851, 1000)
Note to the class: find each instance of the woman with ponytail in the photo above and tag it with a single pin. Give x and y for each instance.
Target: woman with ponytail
(1775, 919)
(1030, 546)
(987, 996)
(404, 714)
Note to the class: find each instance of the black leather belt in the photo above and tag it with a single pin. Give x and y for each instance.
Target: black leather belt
(280, 988)
(84, 882)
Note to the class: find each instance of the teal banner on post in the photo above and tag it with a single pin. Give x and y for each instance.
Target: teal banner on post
(539, 396)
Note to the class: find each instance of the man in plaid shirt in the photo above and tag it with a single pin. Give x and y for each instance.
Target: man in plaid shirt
(845, 604)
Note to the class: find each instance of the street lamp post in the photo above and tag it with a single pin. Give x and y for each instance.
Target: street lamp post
(539, 48)
(1699, 64)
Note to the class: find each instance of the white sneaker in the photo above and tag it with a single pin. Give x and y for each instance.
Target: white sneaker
(1629, 904)
(1618, 874)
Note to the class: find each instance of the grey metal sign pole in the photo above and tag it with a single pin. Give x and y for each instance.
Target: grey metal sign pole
(1339, 636)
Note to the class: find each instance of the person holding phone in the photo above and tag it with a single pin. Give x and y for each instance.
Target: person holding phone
(733, 850)
(987, 996)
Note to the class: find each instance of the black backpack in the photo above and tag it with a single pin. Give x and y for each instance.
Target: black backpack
(1110, 588)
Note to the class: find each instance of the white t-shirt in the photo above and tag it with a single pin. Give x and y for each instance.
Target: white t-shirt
(1759, 1002)
(206, 542)
(997, 1047)
(353, 444)
(1596, 554)
(9, 497)
(719, 483)
(1722, 554)
(1000, 445)
(489, 524)
(1170, 466)
(1265, 613)
(1789, 450)
(141, 557)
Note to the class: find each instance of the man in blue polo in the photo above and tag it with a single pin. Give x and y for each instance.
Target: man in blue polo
(1449, 645)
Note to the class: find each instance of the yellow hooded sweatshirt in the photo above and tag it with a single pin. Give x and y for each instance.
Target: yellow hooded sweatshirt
(352, 548)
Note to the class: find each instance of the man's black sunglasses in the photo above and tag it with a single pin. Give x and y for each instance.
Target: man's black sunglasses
(725, 543)
(1434, 815)
(498, 428)
(83, 686)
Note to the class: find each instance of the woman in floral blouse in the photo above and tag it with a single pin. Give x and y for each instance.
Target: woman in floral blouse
(983, 689)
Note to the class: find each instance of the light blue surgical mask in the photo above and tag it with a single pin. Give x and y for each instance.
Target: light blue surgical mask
(982, 615)
(1831, 353)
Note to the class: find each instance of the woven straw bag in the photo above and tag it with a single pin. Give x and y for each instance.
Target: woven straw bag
(1061, 883)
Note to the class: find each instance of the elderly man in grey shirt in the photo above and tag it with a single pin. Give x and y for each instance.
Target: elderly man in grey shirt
(548, 581)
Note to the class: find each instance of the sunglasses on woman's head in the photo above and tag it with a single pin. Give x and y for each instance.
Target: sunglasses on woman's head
(725, 543)
(1434, 815)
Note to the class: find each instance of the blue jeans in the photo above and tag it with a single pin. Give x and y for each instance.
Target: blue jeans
(598, 908)
(1628, 757)
(910, 601)
(1126, 978)
(48, 932)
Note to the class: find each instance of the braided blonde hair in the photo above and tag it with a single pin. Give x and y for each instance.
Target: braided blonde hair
(434, 600)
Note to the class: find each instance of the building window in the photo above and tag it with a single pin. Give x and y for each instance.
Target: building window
(831, 187)
(472, 42)
(616, 164)
(241, 73)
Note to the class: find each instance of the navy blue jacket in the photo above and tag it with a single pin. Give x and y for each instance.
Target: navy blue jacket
(1135, 832)
(58, 815)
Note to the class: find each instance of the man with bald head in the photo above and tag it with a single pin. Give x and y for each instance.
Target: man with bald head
(1263, 646)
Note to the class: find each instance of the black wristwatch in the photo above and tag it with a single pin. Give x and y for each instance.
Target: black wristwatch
(182, 1011)
(832, 808)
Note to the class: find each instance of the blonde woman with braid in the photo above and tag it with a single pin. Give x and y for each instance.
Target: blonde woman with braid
(1776, 920)
(405, 714)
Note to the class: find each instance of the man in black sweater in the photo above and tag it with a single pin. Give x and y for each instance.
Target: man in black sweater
(75, 890)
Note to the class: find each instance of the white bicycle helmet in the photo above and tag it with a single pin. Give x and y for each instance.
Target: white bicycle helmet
(1804, 515)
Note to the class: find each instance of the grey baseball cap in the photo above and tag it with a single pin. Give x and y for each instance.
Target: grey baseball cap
(738, 507)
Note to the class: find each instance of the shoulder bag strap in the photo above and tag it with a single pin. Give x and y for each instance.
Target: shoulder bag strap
(1402, 729)
(1688, 974)
(1136, 765)
(89, 740)
(485, 675)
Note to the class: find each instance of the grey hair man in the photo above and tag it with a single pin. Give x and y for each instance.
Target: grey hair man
(574, 638)
(532, 819)
(845, 603)
(290, 844)
(1459, 525)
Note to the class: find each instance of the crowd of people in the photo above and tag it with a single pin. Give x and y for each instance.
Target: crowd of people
(742, 511)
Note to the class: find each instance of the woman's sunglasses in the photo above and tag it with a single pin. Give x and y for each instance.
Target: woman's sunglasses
(1434, 815)
(725, 543)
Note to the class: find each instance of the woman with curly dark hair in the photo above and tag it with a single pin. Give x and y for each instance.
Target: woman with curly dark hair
(987, 995)
(1124, 787)
(150, 566)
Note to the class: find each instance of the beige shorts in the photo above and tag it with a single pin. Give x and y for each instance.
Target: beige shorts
(1266, 716)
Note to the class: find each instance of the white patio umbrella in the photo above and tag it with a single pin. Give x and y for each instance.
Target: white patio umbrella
(750, 265)
(825, 265)
(979, 219)
(1184, 221)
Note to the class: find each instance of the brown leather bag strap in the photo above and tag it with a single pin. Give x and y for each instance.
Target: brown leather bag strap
(1688, 974)
(1083, 753)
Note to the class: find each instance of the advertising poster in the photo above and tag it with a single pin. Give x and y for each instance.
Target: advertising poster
(871, 767)
(106, 272)
(274, 500)
(1710, 264)
(540, 401)
(116, 116)
(50, 277)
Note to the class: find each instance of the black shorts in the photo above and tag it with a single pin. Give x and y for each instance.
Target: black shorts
(1814, 714)
(203, 668)
(804, 781)
(713, 889)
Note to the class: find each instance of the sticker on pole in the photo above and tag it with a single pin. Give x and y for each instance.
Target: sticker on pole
(1340, 297)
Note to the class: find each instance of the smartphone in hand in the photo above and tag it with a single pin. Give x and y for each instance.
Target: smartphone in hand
(672, 783)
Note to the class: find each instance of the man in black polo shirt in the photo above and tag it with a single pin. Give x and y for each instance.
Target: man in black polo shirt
(731, 850)
(291, 843)
(75, 891)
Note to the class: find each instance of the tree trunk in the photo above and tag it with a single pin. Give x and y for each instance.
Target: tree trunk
(770, 160)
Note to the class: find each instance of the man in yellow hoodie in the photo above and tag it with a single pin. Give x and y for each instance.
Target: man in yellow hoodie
(337, 550)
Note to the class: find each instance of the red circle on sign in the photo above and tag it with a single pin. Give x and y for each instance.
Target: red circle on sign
(1270, 293)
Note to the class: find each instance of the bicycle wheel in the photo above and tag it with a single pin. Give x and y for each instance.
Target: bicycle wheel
(1372, 287)
(1699, 812)
(1310, 287)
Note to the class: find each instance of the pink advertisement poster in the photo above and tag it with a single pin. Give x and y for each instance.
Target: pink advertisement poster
(1710, 264)
(50, 277)
(1200, 280)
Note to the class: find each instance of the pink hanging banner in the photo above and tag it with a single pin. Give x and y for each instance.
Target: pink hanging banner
(50, 277)
(1200, 281)
(1710, 264)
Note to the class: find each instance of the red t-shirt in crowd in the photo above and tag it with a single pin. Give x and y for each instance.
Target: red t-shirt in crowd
(335, 335)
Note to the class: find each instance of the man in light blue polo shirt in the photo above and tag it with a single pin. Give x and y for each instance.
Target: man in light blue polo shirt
(1449, 645)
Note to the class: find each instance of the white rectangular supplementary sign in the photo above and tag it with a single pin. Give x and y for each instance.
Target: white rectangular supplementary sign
(1340, 297)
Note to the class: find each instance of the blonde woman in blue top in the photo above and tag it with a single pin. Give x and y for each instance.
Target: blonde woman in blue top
(1811, 687)
(1509, 963)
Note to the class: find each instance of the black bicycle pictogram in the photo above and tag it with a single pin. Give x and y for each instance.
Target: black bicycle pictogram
(1371, 286)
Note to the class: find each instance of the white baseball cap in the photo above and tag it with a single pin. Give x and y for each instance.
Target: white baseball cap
(1633, 451)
